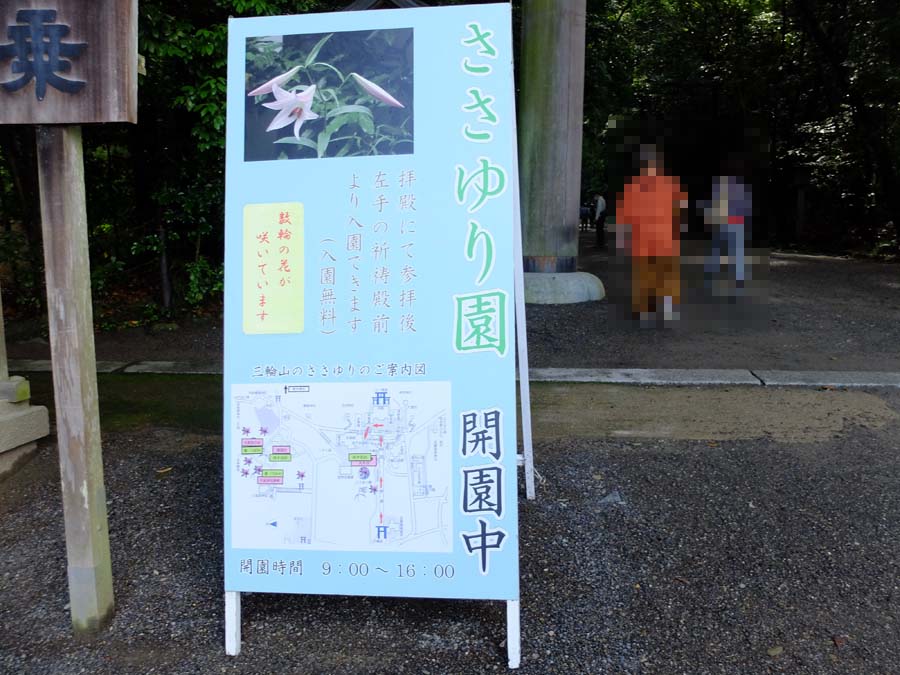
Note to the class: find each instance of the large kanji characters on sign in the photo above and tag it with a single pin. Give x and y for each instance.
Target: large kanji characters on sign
(68, 61)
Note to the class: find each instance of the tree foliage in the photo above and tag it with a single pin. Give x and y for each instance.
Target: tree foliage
(811, 86)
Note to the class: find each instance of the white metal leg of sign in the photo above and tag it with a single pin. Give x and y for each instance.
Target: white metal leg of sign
(522, 344)
(232, 623)
(513, 633)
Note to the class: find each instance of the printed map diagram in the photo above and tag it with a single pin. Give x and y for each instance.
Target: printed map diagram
(341, 466)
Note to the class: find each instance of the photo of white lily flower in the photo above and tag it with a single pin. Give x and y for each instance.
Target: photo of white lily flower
(323, 106)
(279, 80)
(291, 107)
(375, 91)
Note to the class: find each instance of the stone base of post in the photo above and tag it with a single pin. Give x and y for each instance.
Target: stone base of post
(543, 288)
(20, 425)
(12, 459)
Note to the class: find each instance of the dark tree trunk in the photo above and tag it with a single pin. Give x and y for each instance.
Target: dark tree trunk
(165, 280)
(19, 142)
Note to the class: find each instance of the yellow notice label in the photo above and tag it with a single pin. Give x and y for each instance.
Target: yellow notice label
(273, 268)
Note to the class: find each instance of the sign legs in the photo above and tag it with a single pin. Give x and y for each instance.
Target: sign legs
(232, 623)
(233, 628)
(513, 634)
(64, 225)
(522, 338)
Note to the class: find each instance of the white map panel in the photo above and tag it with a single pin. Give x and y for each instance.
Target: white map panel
(342, 466)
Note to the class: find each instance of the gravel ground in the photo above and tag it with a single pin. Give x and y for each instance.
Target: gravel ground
(639, 556)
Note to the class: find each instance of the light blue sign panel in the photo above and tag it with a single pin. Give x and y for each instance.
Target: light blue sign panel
(370, 420)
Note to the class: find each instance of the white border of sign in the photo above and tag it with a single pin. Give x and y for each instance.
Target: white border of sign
(232, 598)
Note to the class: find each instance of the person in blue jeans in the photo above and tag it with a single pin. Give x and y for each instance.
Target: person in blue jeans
(728, 214)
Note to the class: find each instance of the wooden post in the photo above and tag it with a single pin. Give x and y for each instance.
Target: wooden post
(64, 224)
(551, 119)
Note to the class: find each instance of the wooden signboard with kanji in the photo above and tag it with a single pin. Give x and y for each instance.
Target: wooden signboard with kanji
(68, 61)
(64, 63)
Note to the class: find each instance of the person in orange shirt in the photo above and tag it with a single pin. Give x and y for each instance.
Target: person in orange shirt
(648, 225)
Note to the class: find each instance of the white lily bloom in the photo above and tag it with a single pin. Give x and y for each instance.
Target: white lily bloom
(291, 107)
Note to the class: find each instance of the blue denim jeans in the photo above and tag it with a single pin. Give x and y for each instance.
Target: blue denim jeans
(727, 240)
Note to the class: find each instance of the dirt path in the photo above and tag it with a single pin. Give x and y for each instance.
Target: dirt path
(821, 314)
(707, 413)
